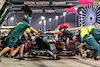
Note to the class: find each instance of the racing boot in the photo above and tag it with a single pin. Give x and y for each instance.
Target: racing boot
(21, 58)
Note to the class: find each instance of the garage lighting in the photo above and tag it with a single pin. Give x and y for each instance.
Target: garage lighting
(64, 13)
(12, 18)
(56, 17)
(44, 22)
(40, 22)
(42, 17)
(50, 19)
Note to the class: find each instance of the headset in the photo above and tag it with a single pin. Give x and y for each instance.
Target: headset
(27, 18)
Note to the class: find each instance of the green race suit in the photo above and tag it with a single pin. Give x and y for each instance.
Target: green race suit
(96, 34)
(92, 42)
(15, 33)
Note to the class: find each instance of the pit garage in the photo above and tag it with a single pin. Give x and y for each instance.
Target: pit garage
(49, 33)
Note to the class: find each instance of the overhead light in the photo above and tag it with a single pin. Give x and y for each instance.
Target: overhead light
(40, 22)
(56, 17)
(64, 13)
(50, 19)
(42, 17)
(44, 22)
(99, 3)
(12, 18)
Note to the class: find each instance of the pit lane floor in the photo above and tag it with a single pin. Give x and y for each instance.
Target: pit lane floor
(43, 61)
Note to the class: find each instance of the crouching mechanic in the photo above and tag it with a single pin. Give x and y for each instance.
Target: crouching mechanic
(90, 41)
(95, 33)
(66, 33)
(78, 42)
(86, 54)
(14, 35)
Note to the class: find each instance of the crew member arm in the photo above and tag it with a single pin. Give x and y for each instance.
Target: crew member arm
(91, 35)
(33, 30)
(82, 44)
(25, 35)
